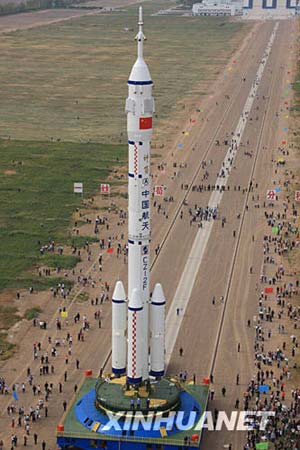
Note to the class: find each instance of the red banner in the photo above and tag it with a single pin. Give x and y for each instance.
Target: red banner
(268, 290)
(159, 190)
(105, 188)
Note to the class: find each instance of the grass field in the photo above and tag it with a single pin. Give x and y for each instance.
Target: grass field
(60, 261)
(32, 313)
(37, 200)
(8, 317)
(296, 88)
(68, 80)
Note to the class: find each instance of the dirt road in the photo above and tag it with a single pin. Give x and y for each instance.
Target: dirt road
(34, 19)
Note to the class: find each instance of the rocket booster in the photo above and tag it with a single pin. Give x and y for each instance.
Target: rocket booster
(157, 332)
(119, 327)
(139, 108)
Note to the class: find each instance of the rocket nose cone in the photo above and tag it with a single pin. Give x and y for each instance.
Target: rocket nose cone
(135, 300)
(140, 71)
(119, 292)
(158, 295)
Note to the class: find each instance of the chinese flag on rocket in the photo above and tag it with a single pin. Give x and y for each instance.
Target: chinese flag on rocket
(145, 123)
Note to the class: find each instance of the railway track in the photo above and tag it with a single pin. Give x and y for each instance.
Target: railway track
(241, 225)
(191, 182)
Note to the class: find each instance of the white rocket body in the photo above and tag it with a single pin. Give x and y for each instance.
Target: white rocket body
(139, 109)
(119, 327)
(157, 332)
(135, 338)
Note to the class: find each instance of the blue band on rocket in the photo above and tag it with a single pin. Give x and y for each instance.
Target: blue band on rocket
(140, 83)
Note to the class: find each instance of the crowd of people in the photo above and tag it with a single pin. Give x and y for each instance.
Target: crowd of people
(277, 322)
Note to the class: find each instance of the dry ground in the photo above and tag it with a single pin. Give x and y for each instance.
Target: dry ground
(23, 21)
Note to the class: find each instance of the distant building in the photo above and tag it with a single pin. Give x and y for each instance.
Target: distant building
(269, 8)
(217, 8)
(270, 4)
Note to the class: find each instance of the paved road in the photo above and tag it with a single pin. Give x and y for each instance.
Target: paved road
(200, 244)
(223, 249)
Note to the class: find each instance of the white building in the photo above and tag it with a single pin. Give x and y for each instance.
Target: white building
(217, 8)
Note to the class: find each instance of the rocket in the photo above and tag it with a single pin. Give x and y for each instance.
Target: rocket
(119, 327)
(157, 332)
(137, 321)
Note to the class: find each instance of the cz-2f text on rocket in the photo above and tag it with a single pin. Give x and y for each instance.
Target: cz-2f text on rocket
(140, 327)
